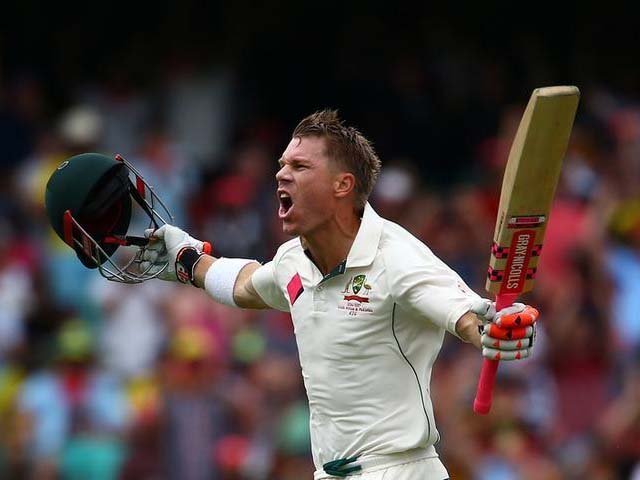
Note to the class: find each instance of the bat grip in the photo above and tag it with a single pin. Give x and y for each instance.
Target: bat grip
(484, 393)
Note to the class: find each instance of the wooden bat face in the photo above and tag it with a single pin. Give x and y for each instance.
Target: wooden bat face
(529, 183)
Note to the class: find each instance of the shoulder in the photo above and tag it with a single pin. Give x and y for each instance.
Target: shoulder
(401, 248)
(288, 250)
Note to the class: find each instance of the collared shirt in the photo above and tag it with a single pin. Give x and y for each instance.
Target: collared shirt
(368, 334)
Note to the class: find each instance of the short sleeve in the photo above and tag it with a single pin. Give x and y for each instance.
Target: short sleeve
(425, 286)
(264, 283)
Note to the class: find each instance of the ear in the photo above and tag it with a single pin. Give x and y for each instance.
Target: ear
(344, 184)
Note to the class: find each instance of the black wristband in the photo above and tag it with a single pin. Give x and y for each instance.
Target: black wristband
(185, 262)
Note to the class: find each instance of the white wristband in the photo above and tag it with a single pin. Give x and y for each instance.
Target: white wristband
(221, 277)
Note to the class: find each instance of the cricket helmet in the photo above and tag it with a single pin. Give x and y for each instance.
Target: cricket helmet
(88, 200)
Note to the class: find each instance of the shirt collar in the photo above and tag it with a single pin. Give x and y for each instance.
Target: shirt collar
(365, 246)
(362, 252)
(337, 270)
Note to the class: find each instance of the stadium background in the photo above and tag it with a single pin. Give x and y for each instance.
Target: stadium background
(99, 380)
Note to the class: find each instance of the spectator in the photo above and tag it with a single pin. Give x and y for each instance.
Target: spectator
(76, 412)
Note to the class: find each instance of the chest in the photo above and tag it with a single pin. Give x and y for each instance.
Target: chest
(353, 308)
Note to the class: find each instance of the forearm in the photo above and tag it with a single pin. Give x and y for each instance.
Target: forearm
(201, 270)
(467, 329)
(244, 295)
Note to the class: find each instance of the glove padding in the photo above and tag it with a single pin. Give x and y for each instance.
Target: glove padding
(164, 245)
(508, 334)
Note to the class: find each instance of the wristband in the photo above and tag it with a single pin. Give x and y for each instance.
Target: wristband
(186, 261)
(221, 277)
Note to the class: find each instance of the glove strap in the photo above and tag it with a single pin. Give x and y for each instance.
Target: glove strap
(186, 262)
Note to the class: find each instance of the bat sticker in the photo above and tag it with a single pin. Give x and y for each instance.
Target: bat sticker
(530, 221)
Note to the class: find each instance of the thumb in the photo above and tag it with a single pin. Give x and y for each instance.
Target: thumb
(481, 306)
(484, 308)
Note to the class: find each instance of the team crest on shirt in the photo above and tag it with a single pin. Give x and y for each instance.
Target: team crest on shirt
(356, 296)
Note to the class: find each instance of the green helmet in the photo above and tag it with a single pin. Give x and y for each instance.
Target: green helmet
(88, 202)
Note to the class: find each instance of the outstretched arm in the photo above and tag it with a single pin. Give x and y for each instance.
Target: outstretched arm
(426, 286)
(244, 295)
(226, 280)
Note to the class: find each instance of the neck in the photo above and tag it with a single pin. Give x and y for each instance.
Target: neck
(329, 244)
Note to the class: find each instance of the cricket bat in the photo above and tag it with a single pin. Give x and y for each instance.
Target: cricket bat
(528, 186)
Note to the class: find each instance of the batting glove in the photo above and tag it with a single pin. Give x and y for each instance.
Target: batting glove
(164, 245)
(508, 334)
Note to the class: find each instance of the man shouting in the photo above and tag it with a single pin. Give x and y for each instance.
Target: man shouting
(370, 305)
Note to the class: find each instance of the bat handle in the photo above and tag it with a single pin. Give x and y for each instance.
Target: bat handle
(484, 393)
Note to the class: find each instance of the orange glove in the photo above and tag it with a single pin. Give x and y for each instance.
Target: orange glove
(508, 334)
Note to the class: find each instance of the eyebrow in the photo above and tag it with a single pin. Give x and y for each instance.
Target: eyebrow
(293, 161)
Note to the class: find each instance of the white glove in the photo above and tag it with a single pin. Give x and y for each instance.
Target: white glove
(508, 334)
(164, 245)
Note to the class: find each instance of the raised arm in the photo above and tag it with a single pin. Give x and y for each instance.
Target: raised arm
(427, 287)
(226, 280)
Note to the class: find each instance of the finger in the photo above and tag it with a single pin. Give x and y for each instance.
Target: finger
(522, 319)
(156, 245)
(155, 233)
(500, 333)
(150, 255)
(159, 264)
(513, 308)
(494, 354)
(487, 341)
(155, 248)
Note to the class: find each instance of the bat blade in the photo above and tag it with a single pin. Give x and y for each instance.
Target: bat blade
(528, 187)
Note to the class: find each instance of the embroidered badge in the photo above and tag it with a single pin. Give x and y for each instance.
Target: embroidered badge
(294, 288)
(356, 293)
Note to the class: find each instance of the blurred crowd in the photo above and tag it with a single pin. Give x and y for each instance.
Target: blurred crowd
(100, 380)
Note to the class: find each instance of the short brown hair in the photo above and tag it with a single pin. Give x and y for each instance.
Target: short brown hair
(347, 147)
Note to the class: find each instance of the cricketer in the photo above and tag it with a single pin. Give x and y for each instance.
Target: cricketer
(369, 302)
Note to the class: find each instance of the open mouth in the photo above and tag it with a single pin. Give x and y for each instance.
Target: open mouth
(286, 203)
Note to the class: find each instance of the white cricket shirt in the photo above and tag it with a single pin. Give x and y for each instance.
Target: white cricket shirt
(367, 334)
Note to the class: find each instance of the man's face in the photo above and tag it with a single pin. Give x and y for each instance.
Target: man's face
(305, 186)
